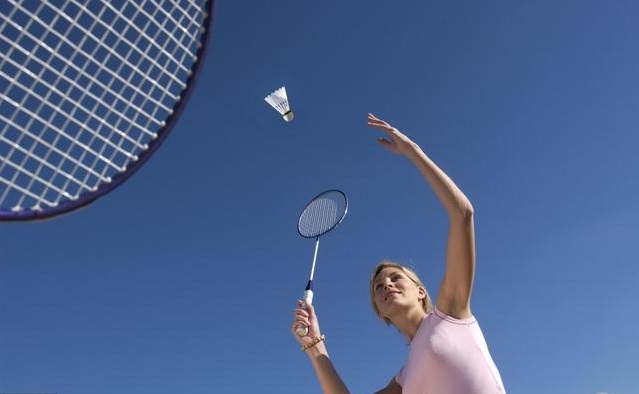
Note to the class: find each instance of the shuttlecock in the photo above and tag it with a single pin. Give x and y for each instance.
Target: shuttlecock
(279, 101)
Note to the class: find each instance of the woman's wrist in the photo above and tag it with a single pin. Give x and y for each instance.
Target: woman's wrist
(314, 342)
(316, 348)
(413, 152)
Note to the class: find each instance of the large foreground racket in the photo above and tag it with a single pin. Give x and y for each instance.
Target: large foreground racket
(321, 215)
(89, 89)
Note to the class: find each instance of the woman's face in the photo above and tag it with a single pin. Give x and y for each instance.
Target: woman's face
(395, 291)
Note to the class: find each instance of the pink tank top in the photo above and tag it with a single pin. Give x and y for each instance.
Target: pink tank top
(449, 356)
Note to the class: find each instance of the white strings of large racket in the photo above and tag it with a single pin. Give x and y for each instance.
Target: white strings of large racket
(84, 87)
(322, 216)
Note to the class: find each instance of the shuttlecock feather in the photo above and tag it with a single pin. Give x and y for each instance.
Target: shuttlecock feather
(279, 100)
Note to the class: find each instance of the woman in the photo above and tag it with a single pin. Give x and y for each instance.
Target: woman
(448, 353)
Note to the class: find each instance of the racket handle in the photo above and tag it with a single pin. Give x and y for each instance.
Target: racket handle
(302, 331)
(308, 297)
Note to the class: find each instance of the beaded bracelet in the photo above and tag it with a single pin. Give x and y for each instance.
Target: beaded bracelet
(316, 340)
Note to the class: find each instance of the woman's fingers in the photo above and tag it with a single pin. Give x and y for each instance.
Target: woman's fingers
(374, 118)
(300, 318)
(302, 315)
(382, 125)
(306, 307)
(300, 323)
(384, 142)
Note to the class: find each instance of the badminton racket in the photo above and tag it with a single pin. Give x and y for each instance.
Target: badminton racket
(321, 215)
(89, 90)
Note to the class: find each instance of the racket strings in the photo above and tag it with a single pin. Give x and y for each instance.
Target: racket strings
(322, 215)
(93, 83)
(55, 58)
(72, 117)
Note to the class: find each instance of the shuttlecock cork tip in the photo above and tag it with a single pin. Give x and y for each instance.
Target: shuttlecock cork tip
(288, 116)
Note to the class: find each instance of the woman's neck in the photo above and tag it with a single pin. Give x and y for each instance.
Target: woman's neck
(408, 323)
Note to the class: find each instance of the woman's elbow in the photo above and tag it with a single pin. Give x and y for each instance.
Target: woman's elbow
(464, 211)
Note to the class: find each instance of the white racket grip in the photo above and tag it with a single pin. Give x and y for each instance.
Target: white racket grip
(302, 331)
(308, 297)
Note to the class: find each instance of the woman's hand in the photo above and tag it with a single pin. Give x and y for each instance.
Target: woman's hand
(397, 142)
(304, 315)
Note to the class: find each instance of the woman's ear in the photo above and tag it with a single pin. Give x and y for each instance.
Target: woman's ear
(421, 293)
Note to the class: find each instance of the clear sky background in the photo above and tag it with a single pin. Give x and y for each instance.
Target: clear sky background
(184, 279)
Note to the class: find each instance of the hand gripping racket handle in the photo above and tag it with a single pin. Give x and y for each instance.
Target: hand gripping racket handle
(302, 331)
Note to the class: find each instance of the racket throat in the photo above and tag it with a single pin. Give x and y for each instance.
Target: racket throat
(309, 286)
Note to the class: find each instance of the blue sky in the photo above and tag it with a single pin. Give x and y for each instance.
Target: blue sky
(184, 279)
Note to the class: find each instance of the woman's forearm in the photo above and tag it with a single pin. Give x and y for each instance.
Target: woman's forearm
(329, 379)
(452, 198)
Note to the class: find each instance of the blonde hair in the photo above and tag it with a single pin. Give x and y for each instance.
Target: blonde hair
(411, 274)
